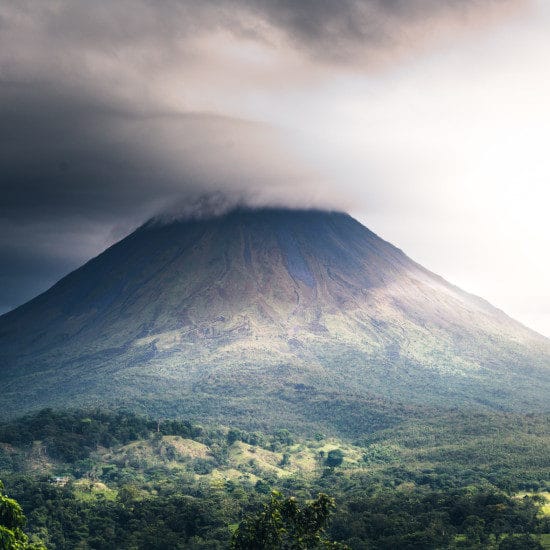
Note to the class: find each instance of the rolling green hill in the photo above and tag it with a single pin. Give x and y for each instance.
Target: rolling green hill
(269, 317)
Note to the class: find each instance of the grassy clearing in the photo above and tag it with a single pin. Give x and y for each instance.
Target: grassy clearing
(91, 490)
(545, 508)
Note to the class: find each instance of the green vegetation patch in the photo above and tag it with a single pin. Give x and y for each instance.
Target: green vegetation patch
(115, 480)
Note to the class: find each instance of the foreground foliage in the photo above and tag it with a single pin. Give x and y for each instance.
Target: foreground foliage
(282, 524)
(12, 521)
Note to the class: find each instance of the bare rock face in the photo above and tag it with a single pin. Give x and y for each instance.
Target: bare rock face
(265, 315)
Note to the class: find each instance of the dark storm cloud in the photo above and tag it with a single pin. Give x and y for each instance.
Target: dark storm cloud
(25, 274)
(77, 173)
(91, 139)
(80, 157)
(368, 31)
(161, 30)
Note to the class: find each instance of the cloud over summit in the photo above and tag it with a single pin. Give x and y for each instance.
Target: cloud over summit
(103, 103)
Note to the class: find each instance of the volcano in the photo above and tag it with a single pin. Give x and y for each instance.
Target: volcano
(268, 317)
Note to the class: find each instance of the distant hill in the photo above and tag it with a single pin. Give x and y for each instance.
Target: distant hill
(271, 317)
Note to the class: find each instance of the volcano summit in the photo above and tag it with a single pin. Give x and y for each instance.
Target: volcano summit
(272, 316)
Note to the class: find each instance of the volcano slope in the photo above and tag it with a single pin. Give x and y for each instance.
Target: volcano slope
(268, 317)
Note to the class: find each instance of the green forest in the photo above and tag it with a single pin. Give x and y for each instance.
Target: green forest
(103, 479)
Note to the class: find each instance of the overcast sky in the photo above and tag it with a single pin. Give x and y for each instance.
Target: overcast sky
(428, 120)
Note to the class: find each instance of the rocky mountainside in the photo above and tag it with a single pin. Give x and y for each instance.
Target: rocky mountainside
(271, 316)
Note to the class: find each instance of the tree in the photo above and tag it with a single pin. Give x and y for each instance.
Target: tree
(12, 522)
(233, 435)
(284, 525)
(335, 457)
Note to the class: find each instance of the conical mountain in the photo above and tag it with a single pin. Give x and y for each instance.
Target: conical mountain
(271, 316)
